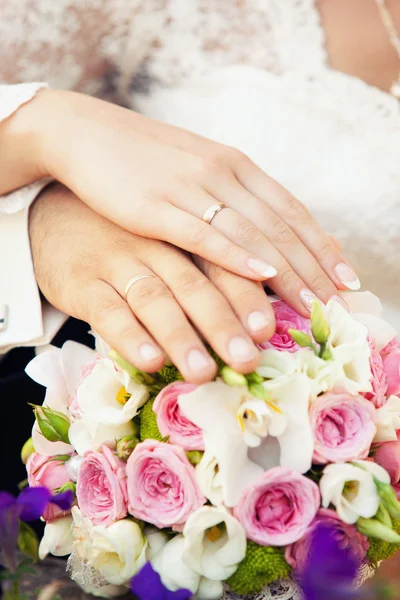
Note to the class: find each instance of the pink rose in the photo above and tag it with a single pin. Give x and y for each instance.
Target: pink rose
(162, 488)
(343, 427)
(347, 536)
(101, 487)
(286, 318)
(379, 380)
(391, 365)
(278, 509)
(387, 454)
(44, 471)
(172, 422)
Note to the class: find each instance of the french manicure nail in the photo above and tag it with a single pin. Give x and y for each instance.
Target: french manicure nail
(347, 276)
(241, 350)
(257, 320)
(197, 360)
(307, 297)
(149, 352)
(262, 268)
(340, 301)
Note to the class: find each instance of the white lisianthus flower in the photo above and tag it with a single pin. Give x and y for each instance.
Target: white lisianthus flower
(156, 540)
(117, 552)
(351, 489)
(208, 406)
(215, 543)
(208, 478)
(109, 396)
(257, 419)
(173, 571)
(209, 590)
(367, 309)
(388, 421)
(85, 434)
(57, 538)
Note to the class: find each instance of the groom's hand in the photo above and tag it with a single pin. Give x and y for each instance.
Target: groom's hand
(84, 264)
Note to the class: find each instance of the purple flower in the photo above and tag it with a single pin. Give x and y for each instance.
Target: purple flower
(29, 506)
(331, 570)
(147, 585)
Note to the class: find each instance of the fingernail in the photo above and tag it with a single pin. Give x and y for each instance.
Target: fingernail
(262, 268)
(347, 276)
(197, 360)
(307, 297)
(340, 301)
(149, 352)
(257, 320)
(241, 350)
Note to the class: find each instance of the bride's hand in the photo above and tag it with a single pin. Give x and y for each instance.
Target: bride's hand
(83, 264)
(158, 181)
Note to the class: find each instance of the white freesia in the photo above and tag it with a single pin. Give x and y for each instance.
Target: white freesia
(388, 421)
(117, 552)
(99, 395)
(174, 572)
(60, 371)
(213, 406)
(257, 419)
(209, 480)
(292, 396)
(215, 542)
(351, 489)
(57, 538)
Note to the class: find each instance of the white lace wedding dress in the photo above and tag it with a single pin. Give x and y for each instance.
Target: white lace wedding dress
(249, 73)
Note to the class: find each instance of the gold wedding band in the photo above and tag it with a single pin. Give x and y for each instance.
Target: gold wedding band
(212, 211)
(134, 280)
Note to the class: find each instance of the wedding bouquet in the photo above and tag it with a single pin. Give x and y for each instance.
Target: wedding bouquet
(222, 486)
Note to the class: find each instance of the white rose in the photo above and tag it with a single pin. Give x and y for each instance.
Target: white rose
(174, 572)
(351, 489)
(388, 421)
(109, 396)
(215, 543)
(117, 552)
(209, 479)
(57, 538)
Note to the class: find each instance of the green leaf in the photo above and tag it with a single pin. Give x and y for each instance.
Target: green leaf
(28, 542)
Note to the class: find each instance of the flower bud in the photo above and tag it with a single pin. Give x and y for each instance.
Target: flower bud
(388, 498)
(53, 425)
(27, 449)
(302, 339)
(383, 516)
(375, 529)
(232, 377)
(194, 456)
(126, 445)
(70, 486)
(319, 324)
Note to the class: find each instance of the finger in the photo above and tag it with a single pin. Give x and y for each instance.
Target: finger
(247, 298)
(156, 308)
(110, 316)
(295, 214)
(194, 235)
(336, 243)
(209, 310)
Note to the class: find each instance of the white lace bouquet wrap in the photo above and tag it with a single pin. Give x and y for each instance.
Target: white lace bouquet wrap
(222, 486)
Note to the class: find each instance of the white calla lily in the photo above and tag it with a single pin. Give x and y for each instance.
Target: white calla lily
(388, 421)
(257, 419)
(117, 552)
(215, 543)
(351, 489)
(212, 406)
(175, 574)
(57, 538)
(110, 396)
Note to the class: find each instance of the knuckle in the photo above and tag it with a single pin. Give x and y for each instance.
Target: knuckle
(199, 234)
(218, 274)
(149, 290)
(295, 209)
(248, 235)
(326, 251)
(281, 233)
(288, 278)
(191, 282)
(234, 156)
(320, 283)
(214, 165)
(179, 336)
(102, 308)
(226, 323)
(229, 254)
